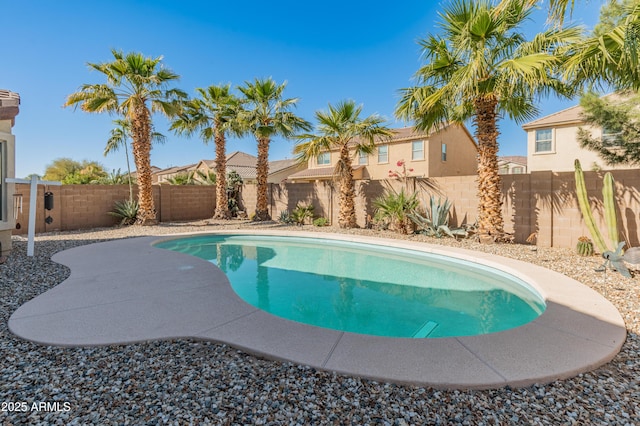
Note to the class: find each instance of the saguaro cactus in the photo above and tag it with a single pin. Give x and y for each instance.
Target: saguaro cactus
(608, 196)
(583, 201)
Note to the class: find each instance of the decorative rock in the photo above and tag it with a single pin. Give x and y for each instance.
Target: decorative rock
(191, 382)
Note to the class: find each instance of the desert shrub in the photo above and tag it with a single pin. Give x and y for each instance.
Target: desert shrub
(302, 213)
(393, 209)
(321, 221)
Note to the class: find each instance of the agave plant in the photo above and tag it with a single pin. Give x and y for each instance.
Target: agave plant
(435, 222)
(395, 207)
(126, 211)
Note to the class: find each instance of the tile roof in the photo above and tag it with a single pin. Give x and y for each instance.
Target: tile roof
(318, 172)
(518, 159)
(9, 105)
(566, 116)
(572, 115)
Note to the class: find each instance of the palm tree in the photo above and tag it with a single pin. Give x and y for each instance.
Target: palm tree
(120, 136)
(213, 114)
(266, 114)
(136, 87)
(481, 68)
(342, 128)
(610, 55)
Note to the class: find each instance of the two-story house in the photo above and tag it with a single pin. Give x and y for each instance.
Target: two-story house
(9, 108)
(449, 151)
(552, 143)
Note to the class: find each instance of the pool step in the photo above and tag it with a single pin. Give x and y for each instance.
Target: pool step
(426, 329)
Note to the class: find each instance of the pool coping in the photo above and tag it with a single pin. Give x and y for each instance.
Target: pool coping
(127, 291)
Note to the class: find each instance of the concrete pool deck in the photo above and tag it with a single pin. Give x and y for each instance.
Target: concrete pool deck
(127, 291)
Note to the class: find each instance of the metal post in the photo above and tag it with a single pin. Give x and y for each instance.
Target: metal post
(33, 201)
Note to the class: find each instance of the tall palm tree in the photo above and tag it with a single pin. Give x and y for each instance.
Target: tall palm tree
(482, 67)
(120, 136)
(610, 55)
(136, 87)
(266, 114)
(342, 128)
(213, 114)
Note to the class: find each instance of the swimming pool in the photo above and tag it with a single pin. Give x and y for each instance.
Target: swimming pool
(367, 289)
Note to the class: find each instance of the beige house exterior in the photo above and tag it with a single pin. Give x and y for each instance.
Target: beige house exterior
(9, 108)
(450, 151)
(552, 143)
(512, 165)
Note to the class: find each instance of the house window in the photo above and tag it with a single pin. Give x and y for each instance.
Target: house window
(324, 159)
(443, 156)
(363, 158)
(417, 150)
(544, 139)
(611, 138)
(383, 154)
(503, 170)
(517, 170)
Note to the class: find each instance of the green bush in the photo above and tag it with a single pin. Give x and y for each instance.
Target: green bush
(393, 209)
(321, 221)
(301, 213)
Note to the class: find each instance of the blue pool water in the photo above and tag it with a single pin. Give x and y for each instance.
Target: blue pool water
(367, 289)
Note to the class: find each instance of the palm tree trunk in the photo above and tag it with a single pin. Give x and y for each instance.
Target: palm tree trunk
(347, 216)
(262, 205)
(141, 135)
(126, 153)
(490, 222)
(222, 201)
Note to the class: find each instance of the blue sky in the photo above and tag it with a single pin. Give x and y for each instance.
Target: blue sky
(327, 51)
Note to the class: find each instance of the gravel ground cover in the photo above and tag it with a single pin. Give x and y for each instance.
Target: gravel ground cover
(193, 382)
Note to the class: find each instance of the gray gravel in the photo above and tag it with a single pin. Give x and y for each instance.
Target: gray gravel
(191, 382)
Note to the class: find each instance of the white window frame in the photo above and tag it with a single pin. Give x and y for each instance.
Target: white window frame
(611, 139)
(385, 159)
(550, 141)
(323, 159)
(414, 151)
(363, 159)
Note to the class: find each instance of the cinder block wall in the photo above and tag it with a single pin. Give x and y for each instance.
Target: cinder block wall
(541, 202)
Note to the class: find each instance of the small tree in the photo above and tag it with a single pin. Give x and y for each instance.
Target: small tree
(620, 122)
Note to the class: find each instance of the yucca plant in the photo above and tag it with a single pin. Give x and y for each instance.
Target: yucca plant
(394, 208)
(126, 211)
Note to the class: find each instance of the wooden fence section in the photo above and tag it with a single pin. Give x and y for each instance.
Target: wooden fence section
(540, 202)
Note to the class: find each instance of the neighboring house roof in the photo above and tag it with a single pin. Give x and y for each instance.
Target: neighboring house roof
(317, 173)
(516, 159)
(9, 105)
(241, 162)
(408, 133)
(279, 165)
(571, 115)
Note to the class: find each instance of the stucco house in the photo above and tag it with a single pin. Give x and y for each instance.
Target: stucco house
(242, 163)
(512, 165)
(552, 143)
(449, 151)
(9, 108)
